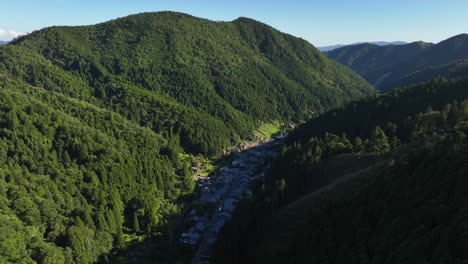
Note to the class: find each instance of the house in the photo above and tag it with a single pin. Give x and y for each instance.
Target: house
(190, 238)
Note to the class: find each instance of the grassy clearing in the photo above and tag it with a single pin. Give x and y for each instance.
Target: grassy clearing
(266, 130)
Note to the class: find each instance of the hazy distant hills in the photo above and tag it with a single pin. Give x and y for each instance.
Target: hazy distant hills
(3, 42)
(386, 66)
(380, 43)
(372, 61)
(446, 52)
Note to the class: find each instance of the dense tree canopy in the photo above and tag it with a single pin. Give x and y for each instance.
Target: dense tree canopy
(392, 66)
(385, 194)
(99, 124)
(212, 82)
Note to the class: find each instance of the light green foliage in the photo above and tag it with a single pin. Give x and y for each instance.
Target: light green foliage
(69, 170)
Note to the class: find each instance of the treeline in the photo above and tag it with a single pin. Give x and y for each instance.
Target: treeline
(303, 165)
(398, 106)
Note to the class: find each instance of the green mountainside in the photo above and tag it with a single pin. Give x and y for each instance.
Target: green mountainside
(445, 52)
(409, 209)
(455, 69)
(99, 124)
(389, 67)
(103, 126)
(377, 181)
(236, 75)
(398, 106)
(76, 179)
(369, 59)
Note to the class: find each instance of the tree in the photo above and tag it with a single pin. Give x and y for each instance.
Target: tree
(82, 242)
(378, 141)
(136, 222)
(358, 145)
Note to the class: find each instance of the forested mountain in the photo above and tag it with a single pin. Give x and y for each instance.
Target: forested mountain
(358, 118)
(372, 61)
(380, 43)
(366, 183)
(99, 124)
(405, 210)
(455, 69)
(389, 67)
(235, 75)
(77, 179)
(445, 52)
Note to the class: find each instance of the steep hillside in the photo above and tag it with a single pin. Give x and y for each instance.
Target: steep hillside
(199, 131)
(408, 210)
(455, 69)
(380, 43)
(372, 61)
(238, 74)
(322, 200)
(390, 67)
(445, 52)
(358, 118)
(77, 181)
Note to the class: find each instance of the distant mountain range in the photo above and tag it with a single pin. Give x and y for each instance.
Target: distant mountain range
(388, 67)
(3, 42)
(379, 43)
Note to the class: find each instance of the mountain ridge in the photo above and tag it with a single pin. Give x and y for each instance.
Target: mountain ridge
(387, 67)
(192, 60)
(379, 43)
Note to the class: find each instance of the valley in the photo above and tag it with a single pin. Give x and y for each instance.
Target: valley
(114, 146)
(223, 190)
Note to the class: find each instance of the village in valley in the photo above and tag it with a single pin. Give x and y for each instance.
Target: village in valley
(220, 191)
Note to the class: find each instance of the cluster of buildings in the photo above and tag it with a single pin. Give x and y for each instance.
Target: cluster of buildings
(221, 191)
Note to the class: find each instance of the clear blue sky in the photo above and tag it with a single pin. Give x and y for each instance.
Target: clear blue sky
(318, 21)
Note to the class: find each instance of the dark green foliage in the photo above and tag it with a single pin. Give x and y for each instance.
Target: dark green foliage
(448, 51)
(371, 61)
(378, 207)
(389, 67)
(399, 106)
(211, 82)
(413, 211)
(455, 69)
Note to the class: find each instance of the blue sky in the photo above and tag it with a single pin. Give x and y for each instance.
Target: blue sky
(320, 22)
